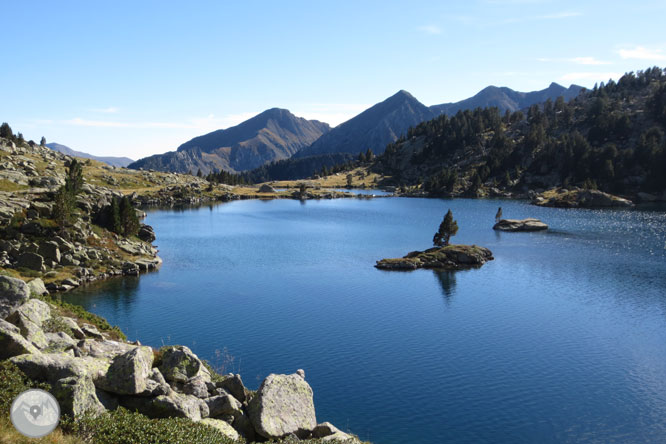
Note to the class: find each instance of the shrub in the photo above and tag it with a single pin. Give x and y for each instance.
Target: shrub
(12, 382)
(124, 427)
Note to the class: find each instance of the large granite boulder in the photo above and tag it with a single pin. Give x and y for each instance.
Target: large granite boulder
(529, 224)
(50, 366)
(13, 293)
(60, 341)
(222, 427)
(102, 349)
(12, 343)
(283, 405)
(146, 233)
(129, 372)
(265, 188)
(77, 396)
(179, 364)
(29, 330)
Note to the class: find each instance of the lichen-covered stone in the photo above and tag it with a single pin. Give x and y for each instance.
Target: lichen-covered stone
(197, 386)
(91, 331)
(179, 364)
(223, 405)
(50, 366)
(234, 385)
(283, 405)
(37, 287)
(221, 426)
(29, 330)
(13, 293)
(102, 349)
(60, 341)
(174, 405)
(74, 327)
(129, 372)
(77, 396)
(12, 343)
(34, 310)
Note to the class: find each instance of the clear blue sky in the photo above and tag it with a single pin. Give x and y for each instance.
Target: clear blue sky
(141, 77)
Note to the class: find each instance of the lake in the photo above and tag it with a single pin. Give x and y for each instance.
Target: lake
(562, 338)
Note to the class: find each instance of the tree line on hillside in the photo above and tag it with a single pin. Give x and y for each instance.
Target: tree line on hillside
(610, 137)
(6, 132)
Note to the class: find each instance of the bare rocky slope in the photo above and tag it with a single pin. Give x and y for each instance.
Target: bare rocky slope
(273, 135)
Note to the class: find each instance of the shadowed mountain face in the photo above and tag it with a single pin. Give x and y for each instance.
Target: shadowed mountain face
(507, 99)
(275, 134)
(374, 128)
(113, 161)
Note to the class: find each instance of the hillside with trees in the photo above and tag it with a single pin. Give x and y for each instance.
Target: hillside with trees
(610, 138)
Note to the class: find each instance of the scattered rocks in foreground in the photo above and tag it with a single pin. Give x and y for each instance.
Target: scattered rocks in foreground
(90, 374)
(579, 198)
(529, 224)
(450, 257)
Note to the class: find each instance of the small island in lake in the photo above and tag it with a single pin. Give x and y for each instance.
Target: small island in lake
(529, 224)
(442, 256)
(450, 257)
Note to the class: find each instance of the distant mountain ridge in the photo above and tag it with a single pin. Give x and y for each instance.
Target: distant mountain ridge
(507, 99)
(110, 160)
(374, 128)
(272, 135)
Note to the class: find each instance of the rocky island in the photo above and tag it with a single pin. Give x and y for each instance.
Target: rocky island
(449, 257)
(529, 224)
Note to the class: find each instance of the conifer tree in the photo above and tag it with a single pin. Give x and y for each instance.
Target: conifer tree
(447, 228)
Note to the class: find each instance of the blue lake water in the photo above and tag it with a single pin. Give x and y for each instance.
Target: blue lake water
(562, 338)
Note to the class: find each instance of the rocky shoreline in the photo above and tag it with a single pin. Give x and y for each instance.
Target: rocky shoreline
(91, 372)
(450, 257)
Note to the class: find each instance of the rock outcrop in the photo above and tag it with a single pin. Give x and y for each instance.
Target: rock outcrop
(450, 257)
(13, 293)
(529, 224)
(283, 405)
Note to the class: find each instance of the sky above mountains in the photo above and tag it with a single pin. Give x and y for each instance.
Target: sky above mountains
(138, 78)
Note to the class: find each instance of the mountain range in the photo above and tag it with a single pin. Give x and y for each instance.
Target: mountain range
(273, 135)
(276, 134)
(507, 99)
(113, 161)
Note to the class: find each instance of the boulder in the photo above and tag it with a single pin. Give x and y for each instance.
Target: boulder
(29, 330)
(449, 257)
(103, 348)
(13, 293)
(283, 405)
(244, 426)
(221, 427)
(33, 310)
(77, 333)
(12, 343)
(179, 364)
(50, 250)
(60, 341)
(37, 287)
(328, 432)
(32, 261)
(174, 405)
(91, 331)
(223, 405)
(129, 372)
(234, 385)
(156, 385)
(197, 386)
(529, 224)
(146, 233)
(77, 396)
(50, 366)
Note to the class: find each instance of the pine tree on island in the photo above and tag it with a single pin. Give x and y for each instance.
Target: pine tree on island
(447, 228)
(498, 216)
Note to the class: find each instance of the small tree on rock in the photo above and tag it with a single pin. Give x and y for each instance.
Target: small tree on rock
(74, 177)
(498, 216)
(447, 228)
(43, 141)
(350, 178)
